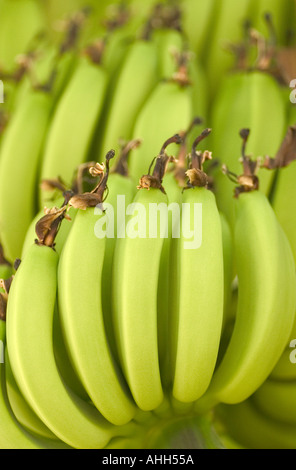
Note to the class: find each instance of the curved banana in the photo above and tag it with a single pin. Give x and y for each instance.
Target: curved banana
(197, 22)
(79, 284)
(276, 399)
(253, 430)
(136, 79)
(75, 119)
(135, 305)
(121, 191)
(252, 100)
(196, 294)
(16, 34)
(21, 152)
(266, 296)
(20, 408)
(13, 435)
(29, 331)
(167, 110)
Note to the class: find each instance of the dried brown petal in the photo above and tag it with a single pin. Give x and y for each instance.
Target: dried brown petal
(197, 178)
(286, 153)
(83, 201)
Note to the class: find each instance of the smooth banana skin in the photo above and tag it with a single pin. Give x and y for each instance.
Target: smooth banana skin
(122, 190)
(276, 399)
(252, 100)
(197, 306)
(284, 370)
(20, 157)
(79, 284)
(228, 266)
(16, 34)
(204, 13)
(29, 331)
(135, 304)
(265, 314)
(136, 79)
(253, 430)
(22, 411)
(227, 27)
(13, 435)
(73, 124)
(167, 111)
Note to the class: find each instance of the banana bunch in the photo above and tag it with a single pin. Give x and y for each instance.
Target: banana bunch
(144, 300)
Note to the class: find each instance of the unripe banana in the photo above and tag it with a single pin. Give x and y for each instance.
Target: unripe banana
(167, 110)
(22, 411)
(265, 314)
(135, 307)
(79, 284)
(21, 152)
(74, 421)
(21, 22)
(13, 435)
(135, 81)
(254, 430)
(252, 100)
(197, 21)
(75, 119)
(121, 191)
(226, 28)
(276, 400)
(196, 294)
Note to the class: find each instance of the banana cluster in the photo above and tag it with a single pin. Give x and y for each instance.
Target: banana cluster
(147, 261)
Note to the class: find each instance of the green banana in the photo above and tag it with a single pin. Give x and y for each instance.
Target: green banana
(22, 21)
(276, 399)
(21, 152)
(253, 430)
(266, 296)
(197, 294)
(226, 29)
(75, 119)
(135, 308)
(22, 411)
(14, 435)
(167, 110)
(246, 99)
(121, 191)
(197, 22)
(29, 331)
(136, 79)
(85, 335)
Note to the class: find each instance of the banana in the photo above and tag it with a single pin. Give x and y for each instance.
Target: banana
(20, 408)
(121, 191)
(21, 153)
(71, 419)
(197, 294)
(284, 193)
(246, 99)
(135, 310)
(92, 358)
(276, 400)
(136, 79)
(228, 266)
(253, 430)
(265, 314)
(6, 269)
(284, 369)
(168, 110)
(197, 22)
(14, 435)
(75, 118)
(22, 21)
(226, 29)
